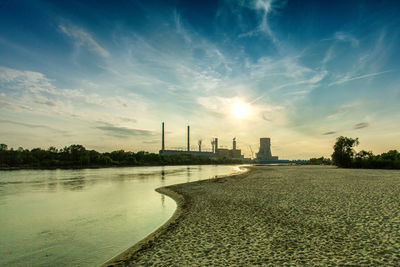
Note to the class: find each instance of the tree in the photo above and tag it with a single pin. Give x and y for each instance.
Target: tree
(52, 149)
(364, 155)
(3, 147)
(343, 151)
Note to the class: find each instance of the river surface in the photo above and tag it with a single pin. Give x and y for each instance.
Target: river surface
(85, 217)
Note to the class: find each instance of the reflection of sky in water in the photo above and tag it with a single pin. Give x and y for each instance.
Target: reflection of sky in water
(84, 217)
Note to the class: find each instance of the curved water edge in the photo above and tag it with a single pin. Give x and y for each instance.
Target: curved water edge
(84, 217)
(126, 256)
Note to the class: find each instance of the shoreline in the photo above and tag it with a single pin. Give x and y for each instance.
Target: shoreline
(129, 254)
(182, 204)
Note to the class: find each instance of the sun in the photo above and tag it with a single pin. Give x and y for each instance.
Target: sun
(240, 110)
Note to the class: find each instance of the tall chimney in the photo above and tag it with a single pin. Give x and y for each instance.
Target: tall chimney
(234, 143)
(163, 138)
(188, 138)
(216, 145)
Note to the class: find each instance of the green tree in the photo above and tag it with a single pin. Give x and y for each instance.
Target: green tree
(343, 151)
(364, 155)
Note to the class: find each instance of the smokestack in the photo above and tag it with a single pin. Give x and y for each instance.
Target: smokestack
(163, 138)
(188, 138)
(216, 145)
(234, 143)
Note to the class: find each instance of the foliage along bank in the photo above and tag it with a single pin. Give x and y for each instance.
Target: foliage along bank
(345, 156)
(77, 156)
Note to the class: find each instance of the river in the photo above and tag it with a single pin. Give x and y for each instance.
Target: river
(85, 217)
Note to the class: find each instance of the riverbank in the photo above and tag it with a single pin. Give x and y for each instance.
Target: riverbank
(300, 215)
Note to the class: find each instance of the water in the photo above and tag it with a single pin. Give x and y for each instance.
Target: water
(85, 217)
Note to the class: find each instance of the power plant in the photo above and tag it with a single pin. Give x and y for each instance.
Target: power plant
(264, 154)
(216, 152)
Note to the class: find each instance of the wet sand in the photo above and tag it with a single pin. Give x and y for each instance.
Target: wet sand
(277, 215)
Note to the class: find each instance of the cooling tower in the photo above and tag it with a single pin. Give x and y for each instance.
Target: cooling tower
(265, 149)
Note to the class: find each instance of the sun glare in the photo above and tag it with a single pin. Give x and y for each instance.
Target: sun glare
(240, 110)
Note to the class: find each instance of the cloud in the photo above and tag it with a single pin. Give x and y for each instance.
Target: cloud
(35, 92)
(128, 119)
(360, 125)
(263, 8)
(152, 142)
(346, 37)
(348, 78)
(266, 118)
(329, 133)
(123, 132)
(342, 37)
(180, 29)
(46, 102)
(295, 79)
(83, 37)
(29, 125)
(18, 80)
(344, 109)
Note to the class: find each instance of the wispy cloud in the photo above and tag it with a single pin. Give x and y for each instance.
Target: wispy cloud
(34, 92)
(264, 8)
(346, 37)
(180, 29)
(329, 133)
(128, 119)
(361, 125)
(35, 82)
(83, 37)
(348, 78)
(124, 132)
(30, 125)
(46, 102)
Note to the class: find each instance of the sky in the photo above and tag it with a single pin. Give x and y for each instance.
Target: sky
(107, 74)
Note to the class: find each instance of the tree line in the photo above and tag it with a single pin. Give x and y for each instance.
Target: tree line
(77, 156)
(319, 161)
(345, 156)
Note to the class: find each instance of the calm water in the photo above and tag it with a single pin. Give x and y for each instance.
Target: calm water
(85, 217)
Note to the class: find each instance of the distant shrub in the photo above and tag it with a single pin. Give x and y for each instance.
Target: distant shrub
(320, 161)
(344, 156)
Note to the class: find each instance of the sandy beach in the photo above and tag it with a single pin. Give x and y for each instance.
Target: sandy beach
(277, 215)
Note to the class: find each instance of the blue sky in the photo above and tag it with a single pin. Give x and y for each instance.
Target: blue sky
(106, 75)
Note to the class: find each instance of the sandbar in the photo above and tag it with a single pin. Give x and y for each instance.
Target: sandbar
(278, 215)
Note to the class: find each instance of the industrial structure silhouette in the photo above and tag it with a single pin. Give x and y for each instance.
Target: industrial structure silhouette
(265, 150)
(264, 154)
(216, 152)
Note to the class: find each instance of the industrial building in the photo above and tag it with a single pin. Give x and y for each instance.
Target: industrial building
(265, 154)
(216, 152)
(233, 153)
